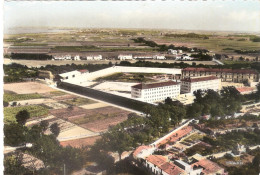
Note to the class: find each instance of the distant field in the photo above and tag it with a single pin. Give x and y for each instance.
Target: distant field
(34, 110)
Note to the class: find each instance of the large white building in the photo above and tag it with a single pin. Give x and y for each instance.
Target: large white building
(125, 57)
(155, 92)
(191, 84)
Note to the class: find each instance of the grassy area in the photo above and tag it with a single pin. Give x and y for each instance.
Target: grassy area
(194, 137)
(102, 49)
(129, 77)
(92, 118)
(35, 111)
(57, 93)
(79, 101)
(29, 44)
(18, 97)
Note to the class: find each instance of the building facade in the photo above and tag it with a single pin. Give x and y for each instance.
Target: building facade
(156, 92)
(189, 85)
(94, 57)
(226, 75)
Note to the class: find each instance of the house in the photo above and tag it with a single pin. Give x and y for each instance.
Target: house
(125, 57)
(45, 74)
(77, 57)
(143, 57)
(159, 57)
(171, 51)
(191, 84)
(94, 57)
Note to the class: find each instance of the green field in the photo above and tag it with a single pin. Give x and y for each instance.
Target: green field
(129, 77)
(79, 101)
(34, 110)
(18, 97)
(92, 118)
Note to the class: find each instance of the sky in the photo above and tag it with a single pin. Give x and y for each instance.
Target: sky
(238, 15)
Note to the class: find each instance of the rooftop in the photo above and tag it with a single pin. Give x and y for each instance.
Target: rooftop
(209, 167)
(154, 85)
(140, 149)
(83, 70)
(198, 79)
(157, 160)
(177, 135)
(247, 71)
(171, 169)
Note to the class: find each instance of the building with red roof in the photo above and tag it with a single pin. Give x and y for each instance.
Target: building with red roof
(191, 84)
(226, 75)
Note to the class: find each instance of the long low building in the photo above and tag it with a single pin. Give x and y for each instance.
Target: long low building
(155, 92)
(226, 75)
(191, 84)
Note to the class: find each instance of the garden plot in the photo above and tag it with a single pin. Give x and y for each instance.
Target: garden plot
(78, 143)
(56, 105)
(64, 97)
(28, 88)
(35, 101)
(94, 106)
(97, 119)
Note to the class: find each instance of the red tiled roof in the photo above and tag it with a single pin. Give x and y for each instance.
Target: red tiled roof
(209, 167)
(177, 135)
(245, 89)
(198, 79)
(139, 149)
(245, 71)
(157, 160)
(83, 70)
(171, 169)
(154, 85)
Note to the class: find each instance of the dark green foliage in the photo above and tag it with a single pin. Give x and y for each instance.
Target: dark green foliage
(202, 57)
(44, 125)
(27, 56)
(55, 129)
(6, 104)
(22, 117)
(210, 102)
(13, 165)
(14, 134)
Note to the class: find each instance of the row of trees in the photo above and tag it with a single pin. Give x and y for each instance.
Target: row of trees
(211, 102)
(45, 147)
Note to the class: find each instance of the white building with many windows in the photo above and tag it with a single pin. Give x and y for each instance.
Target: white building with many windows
(155, 92)
(191, 84)
(94, 57)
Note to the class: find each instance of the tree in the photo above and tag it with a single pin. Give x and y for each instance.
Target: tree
(44, 125)
(256, 162)
(55, 129)
(22, 116)
(14, 134)
(13, 165)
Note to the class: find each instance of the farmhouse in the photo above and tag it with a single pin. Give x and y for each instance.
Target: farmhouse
(159, 57)
(125, 57)
(155, 92)
(94, 57)
(189, 85)
(77, 57)
(226, 75)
